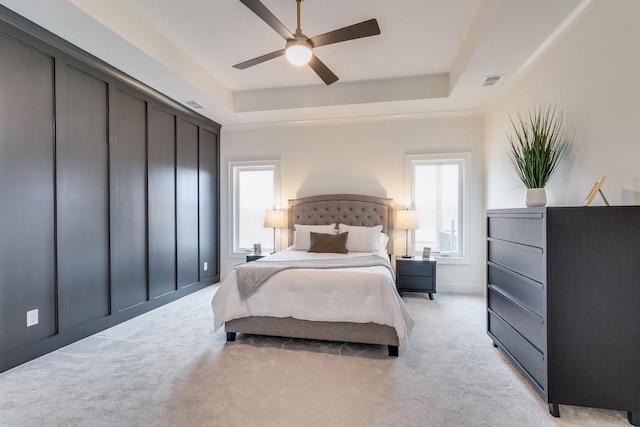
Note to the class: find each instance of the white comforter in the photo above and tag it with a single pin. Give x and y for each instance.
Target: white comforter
(361, 295)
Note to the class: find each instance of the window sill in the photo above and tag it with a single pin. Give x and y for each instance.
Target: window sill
(447, 259)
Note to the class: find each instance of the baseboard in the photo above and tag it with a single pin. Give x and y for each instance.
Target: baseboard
(23, 354)
(461, 288)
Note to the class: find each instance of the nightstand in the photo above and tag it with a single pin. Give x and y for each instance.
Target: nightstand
(254, 257)
(416, 275)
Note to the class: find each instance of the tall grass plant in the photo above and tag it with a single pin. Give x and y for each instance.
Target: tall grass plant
(538, 145)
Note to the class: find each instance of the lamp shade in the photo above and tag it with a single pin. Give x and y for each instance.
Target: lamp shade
(406, 220)
(274, 219)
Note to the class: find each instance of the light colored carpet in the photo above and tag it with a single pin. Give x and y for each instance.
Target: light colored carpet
(168, 368)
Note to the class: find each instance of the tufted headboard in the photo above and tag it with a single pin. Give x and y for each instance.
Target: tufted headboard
(350, 209)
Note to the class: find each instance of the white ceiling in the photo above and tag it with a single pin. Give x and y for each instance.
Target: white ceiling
(432, 56)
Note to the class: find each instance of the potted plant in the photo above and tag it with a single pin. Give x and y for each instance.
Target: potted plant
(537, 148)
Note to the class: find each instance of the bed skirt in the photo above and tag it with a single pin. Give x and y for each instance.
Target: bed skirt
(365, 333)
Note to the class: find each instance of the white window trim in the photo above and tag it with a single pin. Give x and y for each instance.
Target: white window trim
(465, 159)
(234, 166)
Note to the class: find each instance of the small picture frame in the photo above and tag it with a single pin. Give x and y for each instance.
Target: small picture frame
(594, 190)
(426, 253)
(257, 249)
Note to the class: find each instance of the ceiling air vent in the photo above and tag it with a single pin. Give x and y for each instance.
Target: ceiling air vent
(491, 80)
(194, 104)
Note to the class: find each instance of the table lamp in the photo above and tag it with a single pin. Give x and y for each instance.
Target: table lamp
(406, 220)
(274, 219)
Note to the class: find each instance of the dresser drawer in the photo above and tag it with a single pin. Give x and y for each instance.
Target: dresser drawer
(526, 323)
(414, 268)
(525, 260)
(526, 230)
(525, 291)
(415, 283)
(529, 357)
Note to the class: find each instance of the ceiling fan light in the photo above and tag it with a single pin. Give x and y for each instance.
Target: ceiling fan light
(298, 54)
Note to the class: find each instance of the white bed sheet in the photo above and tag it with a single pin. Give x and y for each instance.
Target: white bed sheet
(359, 294)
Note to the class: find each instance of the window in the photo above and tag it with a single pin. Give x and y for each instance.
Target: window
(254, 190)
(438, 192)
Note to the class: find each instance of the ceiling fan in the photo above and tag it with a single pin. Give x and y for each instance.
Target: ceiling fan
(299, 48)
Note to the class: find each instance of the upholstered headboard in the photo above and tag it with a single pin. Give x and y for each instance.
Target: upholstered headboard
(350, 209)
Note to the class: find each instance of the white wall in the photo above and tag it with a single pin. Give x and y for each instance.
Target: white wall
(593, 72)
(361, 158)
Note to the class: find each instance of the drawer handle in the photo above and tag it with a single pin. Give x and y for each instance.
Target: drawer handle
(528, 248)
(516, 275)
(512, 300)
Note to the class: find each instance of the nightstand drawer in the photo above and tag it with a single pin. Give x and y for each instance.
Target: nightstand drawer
(415, 283)
(416, 275)
(413, 268)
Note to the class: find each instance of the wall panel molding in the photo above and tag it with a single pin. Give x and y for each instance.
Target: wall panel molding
(83, 196)
(161, 159)
(110, 194)
(27, 191)
(44, 39)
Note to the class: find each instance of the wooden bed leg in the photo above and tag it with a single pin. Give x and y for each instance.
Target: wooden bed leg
(634, 417)
(231, 336)
(554, 409)
(393, 350)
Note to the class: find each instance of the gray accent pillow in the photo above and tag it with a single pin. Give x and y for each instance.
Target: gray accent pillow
(328, 243)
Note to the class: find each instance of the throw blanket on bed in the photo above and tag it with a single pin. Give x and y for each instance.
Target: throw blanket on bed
(253, 274)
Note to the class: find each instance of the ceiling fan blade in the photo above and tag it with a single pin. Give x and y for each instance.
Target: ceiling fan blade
(355, 31)
(269, 18)
(259, 59)
(322, 71)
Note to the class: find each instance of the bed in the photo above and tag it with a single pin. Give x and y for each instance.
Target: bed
(357, 304)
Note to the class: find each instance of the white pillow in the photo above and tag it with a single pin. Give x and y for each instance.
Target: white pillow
(382, 243)
(302, 234)
(361, 239)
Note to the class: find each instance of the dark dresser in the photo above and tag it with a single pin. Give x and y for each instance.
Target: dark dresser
(563, 302)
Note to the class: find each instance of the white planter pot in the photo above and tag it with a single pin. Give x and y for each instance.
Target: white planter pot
(536, 197)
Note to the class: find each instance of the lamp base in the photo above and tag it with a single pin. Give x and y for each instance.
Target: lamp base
(407, 256)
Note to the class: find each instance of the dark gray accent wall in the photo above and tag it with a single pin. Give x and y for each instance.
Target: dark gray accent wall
(27, 268)
(209, 199)
(162, 202)
(187, 204)
(109, 194)
(130, 269)
(83, 197)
